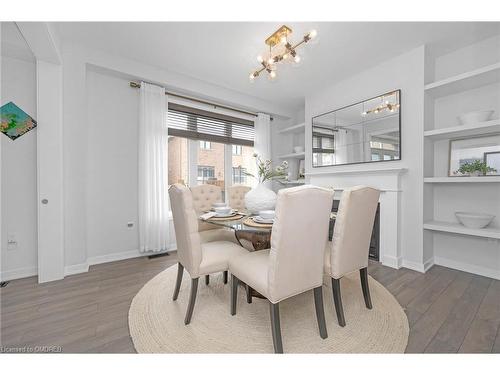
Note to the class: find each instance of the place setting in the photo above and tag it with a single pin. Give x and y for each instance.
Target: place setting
(265, 219)
(220, 211)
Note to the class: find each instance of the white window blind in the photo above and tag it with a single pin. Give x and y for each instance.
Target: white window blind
(194, 123)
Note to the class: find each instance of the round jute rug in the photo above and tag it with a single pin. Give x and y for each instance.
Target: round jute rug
(157, 323)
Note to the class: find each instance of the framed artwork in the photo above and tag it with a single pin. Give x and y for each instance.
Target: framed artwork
(492, 160)
(14, 121)
(475, 156)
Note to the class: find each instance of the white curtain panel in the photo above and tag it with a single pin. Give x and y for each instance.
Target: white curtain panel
(262, 142)
(153, 169)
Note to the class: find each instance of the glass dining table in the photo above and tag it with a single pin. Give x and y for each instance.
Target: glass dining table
(250, 237)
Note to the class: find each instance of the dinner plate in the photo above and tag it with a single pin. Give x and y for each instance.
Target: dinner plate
(261, 220)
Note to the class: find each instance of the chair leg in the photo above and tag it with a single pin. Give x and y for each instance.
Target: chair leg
(234, 294)
(363, 273)
(320, 311)
(192, 300)
(337, 298)
(207, 279)
(224, 277)
(180, 271)
(249, 293)
(275, 327)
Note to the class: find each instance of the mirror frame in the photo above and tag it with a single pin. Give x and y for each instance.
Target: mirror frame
(350, 105)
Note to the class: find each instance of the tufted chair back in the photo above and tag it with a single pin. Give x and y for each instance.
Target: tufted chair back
(237, 196)
(353, 230)
(204, 196)
(186, 228)
(298, 240)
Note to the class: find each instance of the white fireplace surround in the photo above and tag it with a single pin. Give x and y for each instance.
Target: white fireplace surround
(388, 181)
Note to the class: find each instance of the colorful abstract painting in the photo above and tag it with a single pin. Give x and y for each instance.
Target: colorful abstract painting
(15, 122)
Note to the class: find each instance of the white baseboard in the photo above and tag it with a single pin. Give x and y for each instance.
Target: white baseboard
(76, 268)
(416, 266)
(466, 267)
(392, 262)
(428, 264)
(18, 273)
(113, 257)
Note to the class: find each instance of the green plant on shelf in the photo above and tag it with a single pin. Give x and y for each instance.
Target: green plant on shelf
(475, 167)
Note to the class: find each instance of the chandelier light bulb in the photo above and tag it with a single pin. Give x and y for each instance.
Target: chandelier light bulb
(296, 59)
(260, 58)
(312, 34)
(285, 56)
(272, 74)
(270, 61)
(252, 76)
(283, 39)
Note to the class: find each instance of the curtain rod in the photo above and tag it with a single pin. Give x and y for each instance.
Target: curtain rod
(215, 105)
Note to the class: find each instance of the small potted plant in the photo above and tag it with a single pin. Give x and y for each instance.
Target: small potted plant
(475, 168)
(260, 197)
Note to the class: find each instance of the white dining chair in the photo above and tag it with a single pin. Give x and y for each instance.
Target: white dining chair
(348, 250)
(294, 264)
(204, 196)
(197, 258)
(236, 194)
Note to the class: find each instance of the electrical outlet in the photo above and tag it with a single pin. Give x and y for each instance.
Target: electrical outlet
(130, 224)
(11, 241)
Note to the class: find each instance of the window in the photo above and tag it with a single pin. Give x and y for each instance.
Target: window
(323, 146)
(236, 149)
(206, 173)
(212, 162)
(243, 162)
(239, 176)
(205, 145)
(178, 168)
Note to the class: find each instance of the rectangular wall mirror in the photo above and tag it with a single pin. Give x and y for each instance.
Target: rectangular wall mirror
(365, 132)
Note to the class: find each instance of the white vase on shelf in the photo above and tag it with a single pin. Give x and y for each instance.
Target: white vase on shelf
(260, 198)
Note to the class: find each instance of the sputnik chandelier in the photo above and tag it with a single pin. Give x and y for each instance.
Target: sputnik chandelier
(281, 50)
(389, 102)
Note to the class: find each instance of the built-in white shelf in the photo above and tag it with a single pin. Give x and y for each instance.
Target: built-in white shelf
(298, 155)
(446, 180)
(442, 226)
(480, 128)
(300, 128)
(465, 81)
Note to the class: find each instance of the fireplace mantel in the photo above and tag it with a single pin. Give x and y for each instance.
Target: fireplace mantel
(398, 171)
(387, 180)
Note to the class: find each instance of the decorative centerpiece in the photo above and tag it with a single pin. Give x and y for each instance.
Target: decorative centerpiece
(260, 197)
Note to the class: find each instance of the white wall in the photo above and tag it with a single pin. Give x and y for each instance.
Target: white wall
(113, 115)
(405, 72)
(19, 195)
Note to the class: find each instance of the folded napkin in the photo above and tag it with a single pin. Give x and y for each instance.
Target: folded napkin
(207, 216)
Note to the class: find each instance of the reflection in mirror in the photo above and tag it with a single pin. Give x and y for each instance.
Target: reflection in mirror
(365, 132)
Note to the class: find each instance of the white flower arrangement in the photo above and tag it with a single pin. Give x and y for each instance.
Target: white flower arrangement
(265, 171)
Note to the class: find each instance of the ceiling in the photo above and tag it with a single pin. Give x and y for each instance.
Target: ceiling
(13, 43)
(224, 53)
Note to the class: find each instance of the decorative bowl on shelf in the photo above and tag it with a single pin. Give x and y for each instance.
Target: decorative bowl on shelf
(474, 220)
(298, 149)
(475, 117)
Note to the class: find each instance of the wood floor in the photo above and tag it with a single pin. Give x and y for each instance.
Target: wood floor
(448, 310)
